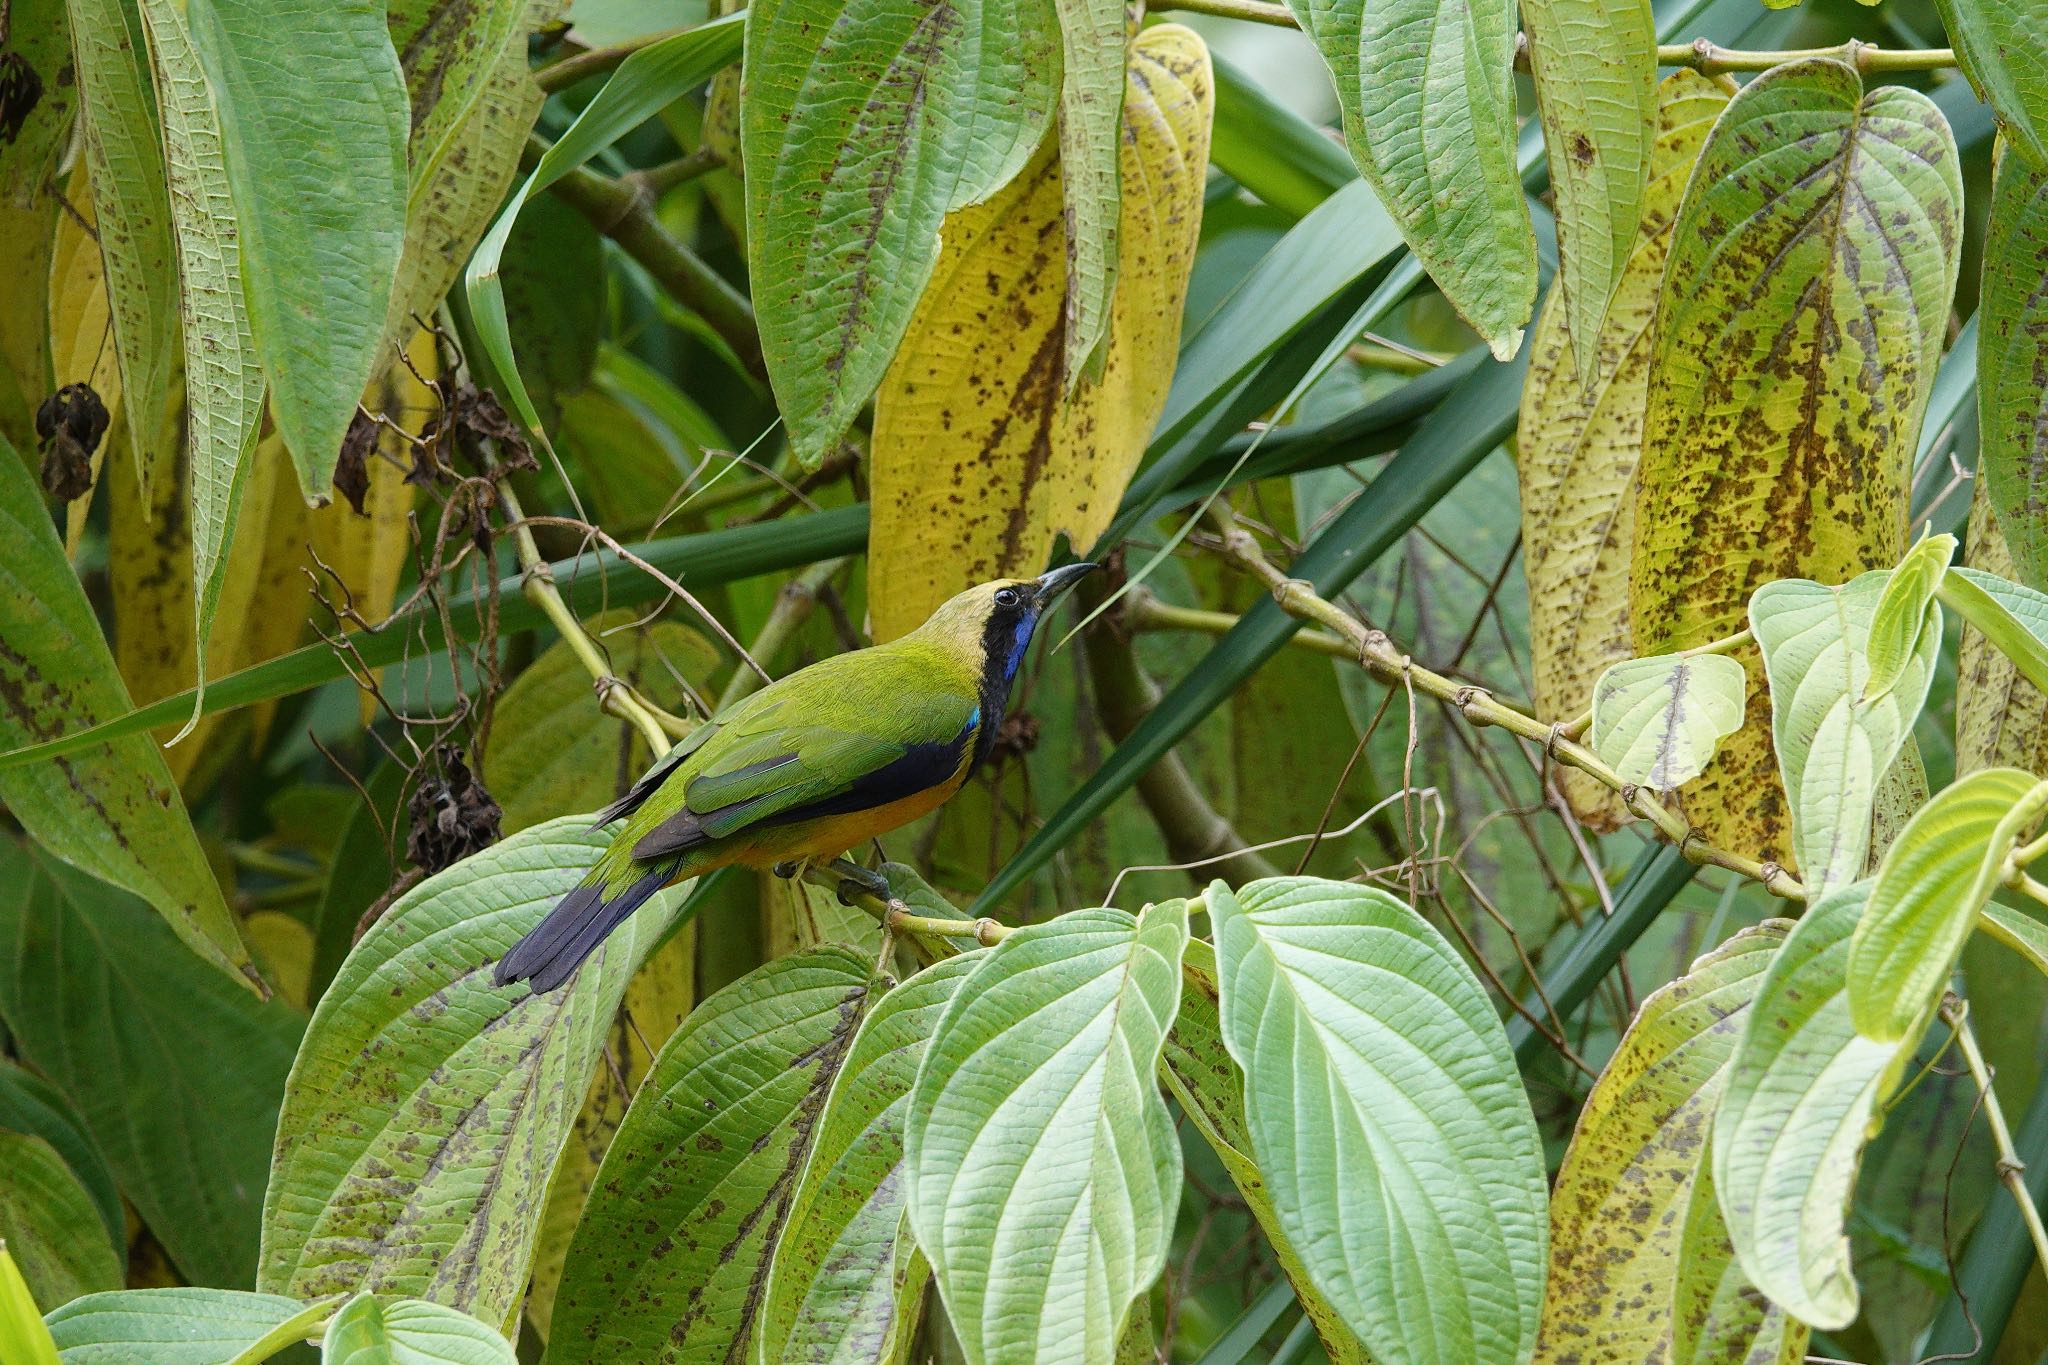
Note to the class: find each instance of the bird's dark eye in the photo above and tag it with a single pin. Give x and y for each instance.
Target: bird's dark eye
(1007, 597)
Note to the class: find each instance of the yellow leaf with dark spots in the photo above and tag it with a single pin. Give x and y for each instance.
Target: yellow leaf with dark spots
(2001, 718)
(1805, 298)
(979, 461)
(1578, 448)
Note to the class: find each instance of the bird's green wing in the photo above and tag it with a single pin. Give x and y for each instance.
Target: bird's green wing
(850, 733)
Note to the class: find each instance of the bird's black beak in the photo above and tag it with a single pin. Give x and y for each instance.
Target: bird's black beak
(1051, 586)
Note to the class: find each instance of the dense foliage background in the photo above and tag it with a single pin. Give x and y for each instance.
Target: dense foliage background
(1470, 892)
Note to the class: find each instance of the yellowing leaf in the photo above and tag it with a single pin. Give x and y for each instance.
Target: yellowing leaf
(1803, 309)
(78, 331)
(1578, 449)
(1630, 1195)
(979, 461)
(2001, 718)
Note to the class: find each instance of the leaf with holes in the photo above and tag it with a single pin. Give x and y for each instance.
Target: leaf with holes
(2012, 363)
(413, 1038)
(847, 1278)
(865, 123)
(1388, 1119)
(1657, 721)
(1631, 1193)
(1802, 315)
(673, 1253)
(1802, 1092)
(1834, 741)
(1576, 451)
(1934, 879)
(1044, 1173)
(974, 398)
(1428, 94)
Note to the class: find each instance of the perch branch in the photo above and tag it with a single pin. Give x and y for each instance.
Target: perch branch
(2011, 1170)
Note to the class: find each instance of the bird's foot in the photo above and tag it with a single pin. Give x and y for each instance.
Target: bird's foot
(787, 868)
(855, 880)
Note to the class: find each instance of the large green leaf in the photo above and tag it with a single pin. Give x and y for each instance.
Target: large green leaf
(1834, 742)
(1629, 1197)
(427, 1106)
(313, 123)
(132, 213)
(672, 1256)
(176, 1071)
(1043, 1169)
(1576, 450)
(30, 1104)
(48, 1221)
(183, 1326)
(1090, 133)
(865, 122)
(1658, 720)
(2012, 363)
(113, 809)
(847, 1277)
(2003, 46)
(1802, 1094)
(1428, 94)
(1934, 879)
(1594, 63)
(652, 77)
(223, 378)
(449, 51)
(1804, 304)
(1196, 1066)
(1386, 1114)
(372, 1331)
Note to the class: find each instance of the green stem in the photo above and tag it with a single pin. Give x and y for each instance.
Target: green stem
(792, 607)
(2011, 1170)
(1144, 611)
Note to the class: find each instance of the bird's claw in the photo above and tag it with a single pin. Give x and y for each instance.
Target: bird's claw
(855, 881)
(787, 868)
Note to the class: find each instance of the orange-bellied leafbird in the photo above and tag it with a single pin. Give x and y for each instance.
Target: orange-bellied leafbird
(808, 767)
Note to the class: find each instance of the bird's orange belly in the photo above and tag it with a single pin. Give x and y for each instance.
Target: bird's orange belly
(835, 834)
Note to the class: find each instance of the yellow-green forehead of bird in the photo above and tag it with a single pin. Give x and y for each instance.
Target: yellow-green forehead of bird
(958, 621)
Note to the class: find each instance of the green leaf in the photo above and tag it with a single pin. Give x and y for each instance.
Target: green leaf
(1718, 1317)
(1091, 106)
(1387, 1116)
(2012, 317)
(1044, 1173)
(371, 1331)
(1428, 94)
(1834, 741)
(223, 379)
(1934, 879)
(1802, 1094)
(175, 1071)
(1804, 305)
(847, 1278)
(2003, 48)
(1594, 63)
(132, 209)
(112, 810)
(649, 79)
(673, 1251)
(22, 1334)
(183, 1326)
(413, 1038)
(449, 50)
(1576, 450)
(1196, 1066)
(1268, 148)
(2011, 617)
(313, 124)
(1905, 612)
(2018, 931)
(1658, 720)
(865, 122)
(30, 1104)
(48, 1222)
(1630, 1201)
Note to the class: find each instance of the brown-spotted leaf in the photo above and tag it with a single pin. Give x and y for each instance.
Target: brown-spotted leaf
(37, 49)
(672, 1258)
(426, 1108)
(112, 810)
(2001, 718)
(2012, 364)
(1578, 449)
(980, 460)
(1640, 1268)
(1804, 302)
